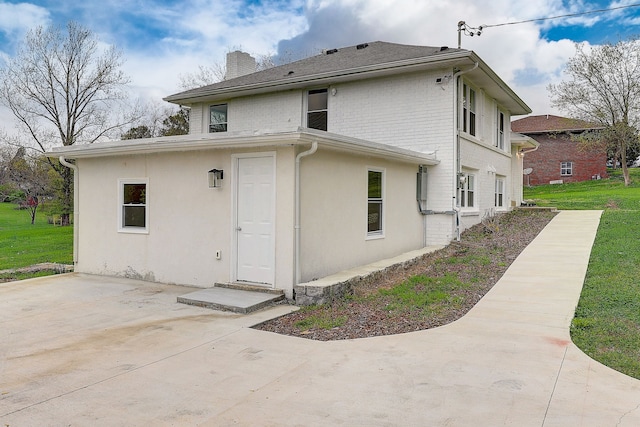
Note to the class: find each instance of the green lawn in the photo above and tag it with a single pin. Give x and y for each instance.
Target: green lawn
(607, 320)
(23, 244)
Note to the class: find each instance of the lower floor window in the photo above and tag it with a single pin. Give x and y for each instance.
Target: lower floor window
(467, 190)
(566, 168)
(499, 199)
(374, 202)
(133, 205)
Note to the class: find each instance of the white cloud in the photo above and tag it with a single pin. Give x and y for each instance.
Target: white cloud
(17, 19)
(516, 52)
(162, 40)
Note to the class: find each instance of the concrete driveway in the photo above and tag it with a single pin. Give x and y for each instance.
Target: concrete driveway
(79, 350)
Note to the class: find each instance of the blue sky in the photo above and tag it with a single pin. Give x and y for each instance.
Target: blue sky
(162, 40)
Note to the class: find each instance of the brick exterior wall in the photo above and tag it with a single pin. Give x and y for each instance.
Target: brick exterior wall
(557, 148)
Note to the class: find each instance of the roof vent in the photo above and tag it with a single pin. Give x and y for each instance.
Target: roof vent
(289, 73)
(362, 46)
(331, 51)
(443, 48)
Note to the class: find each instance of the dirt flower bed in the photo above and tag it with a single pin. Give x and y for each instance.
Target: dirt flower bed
(436, 289)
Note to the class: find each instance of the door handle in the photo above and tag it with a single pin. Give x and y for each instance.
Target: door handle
(238, 228)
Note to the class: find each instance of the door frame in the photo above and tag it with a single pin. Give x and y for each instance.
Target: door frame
(235, 161)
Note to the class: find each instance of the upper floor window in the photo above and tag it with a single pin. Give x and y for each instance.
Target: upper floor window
(133, 205)
(467, 190)
(468, 110)
(375, 202)
(566, 168)
(500, 130)
(317, 100)
(218, 118)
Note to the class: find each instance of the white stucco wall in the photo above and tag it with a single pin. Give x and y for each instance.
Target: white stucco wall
(334, 212)
(188, 221)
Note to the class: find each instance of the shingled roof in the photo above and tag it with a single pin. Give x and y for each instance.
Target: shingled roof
(330, 62)
(366, 60)
(549, 124)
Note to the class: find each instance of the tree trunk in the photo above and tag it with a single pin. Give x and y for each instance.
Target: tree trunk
(67, 197)
(625, 169)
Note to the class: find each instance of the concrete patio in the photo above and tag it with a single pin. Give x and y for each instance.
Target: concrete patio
(95, 351)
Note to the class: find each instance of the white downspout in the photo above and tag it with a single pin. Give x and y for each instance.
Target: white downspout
(456, 146)
(313, 149)
(76, 213)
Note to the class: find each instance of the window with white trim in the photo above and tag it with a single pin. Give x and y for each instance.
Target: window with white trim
(133, 215)
(218, 118)
(499, 192)
(566, 168)
(375, 202)
(317, 109)
(467, 190)
(500, 123)
(468, 110)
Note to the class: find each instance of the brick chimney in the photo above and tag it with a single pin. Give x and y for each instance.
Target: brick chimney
(239, 64)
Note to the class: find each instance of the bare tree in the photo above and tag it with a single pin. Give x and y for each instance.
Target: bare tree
(62, 87)
(604, 88)
(216, 72)
(206, 75)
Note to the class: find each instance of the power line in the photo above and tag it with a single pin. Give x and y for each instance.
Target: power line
(464, 28)
(569, 15)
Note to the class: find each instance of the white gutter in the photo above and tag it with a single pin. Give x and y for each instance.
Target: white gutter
(76, 214)
(456, 147)
(312, 150)
(241, 140)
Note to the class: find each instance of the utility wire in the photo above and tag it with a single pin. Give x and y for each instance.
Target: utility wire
(569, 15)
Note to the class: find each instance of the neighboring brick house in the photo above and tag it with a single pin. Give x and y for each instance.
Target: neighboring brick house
(559, 158)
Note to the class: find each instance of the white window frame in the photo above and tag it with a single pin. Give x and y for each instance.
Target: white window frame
(121, 206)
(566, 168)
(224, 124)
(323, 110)
(468, 188)
(469, 111)
(377, 234)
(500, 196)
(500, 129)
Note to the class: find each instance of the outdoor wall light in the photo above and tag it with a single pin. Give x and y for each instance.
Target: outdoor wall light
(215, 178)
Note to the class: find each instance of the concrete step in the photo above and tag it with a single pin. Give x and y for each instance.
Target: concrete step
(236, 300)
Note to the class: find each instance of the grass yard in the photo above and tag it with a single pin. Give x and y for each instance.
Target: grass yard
(23, 244)
(607, 320)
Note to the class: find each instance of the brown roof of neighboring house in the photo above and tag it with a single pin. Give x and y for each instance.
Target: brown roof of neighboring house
(549, 123)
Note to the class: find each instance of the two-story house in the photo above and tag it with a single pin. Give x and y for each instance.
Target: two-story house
(299, 171)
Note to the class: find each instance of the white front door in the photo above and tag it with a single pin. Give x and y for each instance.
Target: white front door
(255, 219)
